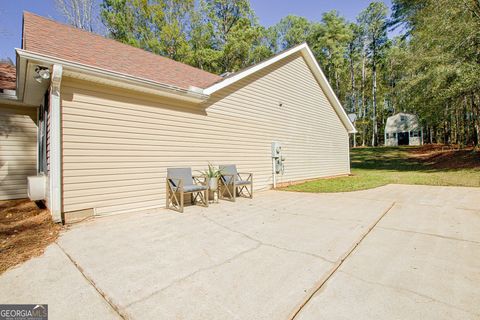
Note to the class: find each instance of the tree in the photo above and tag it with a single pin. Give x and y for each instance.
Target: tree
(374, 22)
(176, 20)
(441, 68)
(354, 49)
(158, 26)
(291, 31)
(329, 42)
(236, 33)
(134, 22)
(79, 13)
(202, 52)
(431, 70)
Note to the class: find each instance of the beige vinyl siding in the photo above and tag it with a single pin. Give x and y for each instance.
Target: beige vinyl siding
(47, 173)
(117, 145)
(18, 149)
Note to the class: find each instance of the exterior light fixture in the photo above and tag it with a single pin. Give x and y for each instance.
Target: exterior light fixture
(41, 73)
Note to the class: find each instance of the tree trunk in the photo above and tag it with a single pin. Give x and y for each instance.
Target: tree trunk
(364, 107)
(446, 133)
(352, 95)
(352, 81)
(337, 83)
(374, 100)
(476, 120)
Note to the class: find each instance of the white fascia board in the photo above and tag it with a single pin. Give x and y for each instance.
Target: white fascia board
(315, 68)
(21, 74)
(168, 90)
(317, 71)
(230, 80)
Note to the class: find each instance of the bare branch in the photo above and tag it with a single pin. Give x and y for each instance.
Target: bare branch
(78, 13)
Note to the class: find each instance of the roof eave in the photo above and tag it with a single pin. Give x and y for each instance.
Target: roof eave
(115, 78)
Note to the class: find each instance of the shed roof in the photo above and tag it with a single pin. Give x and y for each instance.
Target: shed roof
(402, 122)
(58, 40)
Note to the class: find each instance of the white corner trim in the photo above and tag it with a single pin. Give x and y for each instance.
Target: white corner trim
(315, 68)
(55, 145)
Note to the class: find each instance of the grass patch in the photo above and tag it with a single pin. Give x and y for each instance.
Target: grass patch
(426, 165)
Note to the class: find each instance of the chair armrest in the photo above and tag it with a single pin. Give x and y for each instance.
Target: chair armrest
(231, 176)
(250, 175)
(175, 184)
(196, 179)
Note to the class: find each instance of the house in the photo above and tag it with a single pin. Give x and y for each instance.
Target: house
(403, 129)
(18, 138)
(101, 121)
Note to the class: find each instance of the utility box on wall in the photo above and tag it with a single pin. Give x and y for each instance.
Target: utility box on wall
(278, 158)
(276, 149)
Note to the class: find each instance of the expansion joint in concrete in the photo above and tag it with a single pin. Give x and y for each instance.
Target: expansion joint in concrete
(114, 307)
(429, 234)
(271, 245)
(194, 273)
(338, 264)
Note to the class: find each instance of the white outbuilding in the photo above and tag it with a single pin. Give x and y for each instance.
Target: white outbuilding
(403, 129)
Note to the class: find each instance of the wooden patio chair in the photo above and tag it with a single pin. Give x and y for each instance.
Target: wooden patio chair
(180, 181)
(233, 183)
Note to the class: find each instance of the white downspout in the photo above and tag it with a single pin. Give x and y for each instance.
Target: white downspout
(55, 145)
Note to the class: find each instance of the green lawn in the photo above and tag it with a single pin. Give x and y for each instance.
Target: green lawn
(374, 167)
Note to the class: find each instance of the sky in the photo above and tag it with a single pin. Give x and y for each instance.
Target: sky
(268, 12)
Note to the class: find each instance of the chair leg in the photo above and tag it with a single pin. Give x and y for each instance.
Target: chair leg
(220, 190)
(182, 198)
(230, 188)
(167, 200)
(225, 188)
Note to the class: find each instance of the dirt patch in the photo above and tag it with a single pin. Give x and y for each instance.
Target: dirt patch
(25, 231)
(446, 157)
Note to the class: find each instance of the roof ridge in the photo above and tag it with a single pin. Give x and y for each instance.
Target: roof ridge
(110, 39)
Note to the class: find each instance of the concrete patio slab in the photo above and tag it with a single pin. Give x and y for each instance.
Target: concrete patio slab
(421, 261)
(442, 221)
(257, 254)
(436, 196)
(52, 279)
(264, 258)
(263, 283)
(347, 297)
(131, 258)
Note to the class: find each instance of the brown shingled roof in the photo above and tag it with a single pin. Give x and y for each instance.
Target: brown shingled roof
(48, 37)
(7, 76)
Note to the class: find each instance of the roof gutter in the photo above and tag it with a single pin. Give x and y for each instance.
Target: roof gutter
(134, 83)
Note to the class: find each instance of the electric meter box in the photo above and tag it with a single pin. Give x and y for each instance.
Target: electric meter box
(276, 149)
